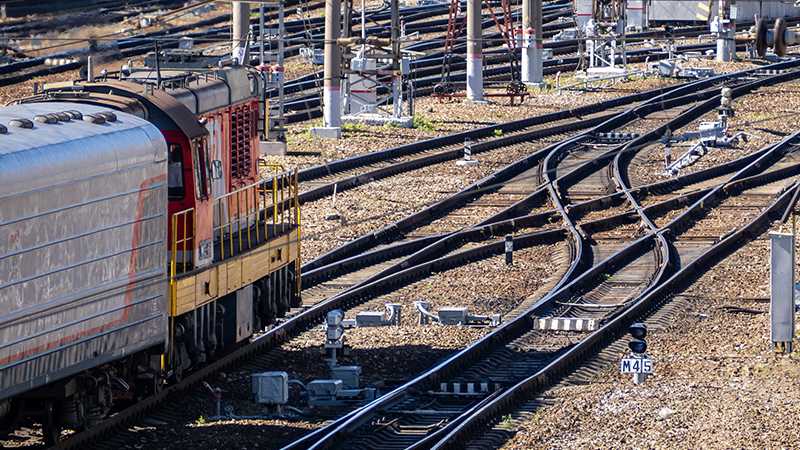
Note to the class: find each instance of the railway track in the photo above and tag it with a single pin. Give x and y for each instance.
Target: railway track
(719, 230)
(102, 12)
(274, 337)
(355, 295)
(271, 339)
(141, 43)
(430, 219)
(621, 270)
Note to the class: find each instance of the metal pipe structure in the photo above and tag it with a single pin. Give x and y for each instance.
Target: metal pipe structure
(396, 80)
(332, 80)
(474, 53)
(90, 69)
(261, 34)
(347, 16)
(241, 28)
(532, 42)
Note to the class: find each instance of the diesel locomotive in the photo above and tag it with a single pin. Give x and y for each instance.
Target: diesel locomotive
(140, 237)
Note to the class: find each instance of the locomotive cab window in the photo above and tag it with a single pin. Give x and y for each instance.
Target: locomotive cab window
(200, 163)
(175, 172)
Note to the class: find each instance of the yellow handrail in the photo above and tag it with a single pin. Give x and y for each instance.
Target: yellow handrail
(249, 208)
(181, 218)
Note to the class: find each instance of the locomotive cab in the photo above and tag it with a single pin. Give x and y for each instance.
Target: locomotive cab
(189, 174)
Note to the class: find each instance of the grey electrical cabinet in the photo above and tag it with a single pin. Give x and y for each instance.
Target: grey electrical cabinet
(782, 290)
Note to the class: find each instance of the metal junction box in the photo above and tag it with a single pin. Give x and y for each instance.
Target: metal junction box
(369, 319)
(271, 388)
(324, 389)
(453, 315)
(350, 376)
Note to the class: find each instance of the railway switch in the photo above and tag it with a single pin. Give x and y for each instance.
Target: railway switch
(454, 315)
(377, 318)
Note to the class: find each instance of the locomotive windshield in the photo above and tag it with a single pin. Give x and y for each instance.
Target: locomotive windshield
(200, 156)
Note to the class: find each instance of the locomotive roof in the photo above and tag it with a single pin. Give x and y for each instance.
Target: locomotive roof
(202, 91)
(46, 143)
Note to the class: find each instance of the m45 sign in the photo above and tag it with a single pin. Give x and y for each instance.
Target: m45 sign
(636, 364)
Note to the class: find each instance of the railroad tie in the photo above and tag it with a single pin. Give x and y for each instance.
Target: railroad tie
(564, 324)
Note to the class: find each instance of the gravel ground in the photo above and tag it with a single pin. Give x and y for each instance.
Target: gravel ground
(372, 206)
(485, 287)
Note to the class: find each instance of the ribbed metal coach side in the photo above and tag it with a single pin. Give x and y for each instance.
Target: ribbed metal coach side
(82, 242)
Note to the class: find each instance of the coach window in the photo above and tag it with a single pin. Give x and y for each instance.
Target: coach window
(200, 156)
(175, 172)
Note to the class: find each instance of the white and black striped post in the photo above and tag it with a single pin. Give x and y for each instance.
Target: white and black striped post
(509, 249)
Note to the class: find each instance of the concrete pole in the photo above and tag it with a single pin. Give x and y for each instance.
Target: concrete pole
(241, 27)
(532, 42)
(474, 53)
(90, 69)
(332, 97)
(725, 42)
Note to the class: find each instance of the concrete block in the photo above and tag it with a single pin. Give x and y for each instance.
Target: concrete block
(275, 148)
(369, 319)
(327, 132)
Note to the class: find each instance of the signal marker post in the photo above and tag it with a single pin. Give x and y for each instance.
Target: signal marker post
(638, 362)
(509, 249)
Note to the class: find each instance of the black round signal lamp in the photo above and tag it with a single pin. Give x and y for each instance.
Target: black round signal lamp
(638, 330)
(637, 346)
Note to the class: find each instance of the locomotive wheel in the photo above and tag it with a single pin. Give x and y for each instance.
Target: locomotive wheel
(779, 37)
(283, 305)
(10, 413)
(761, 37)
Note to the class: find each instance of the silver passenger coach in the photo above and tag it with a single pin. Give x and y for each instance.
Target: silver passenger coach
(83, 200)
